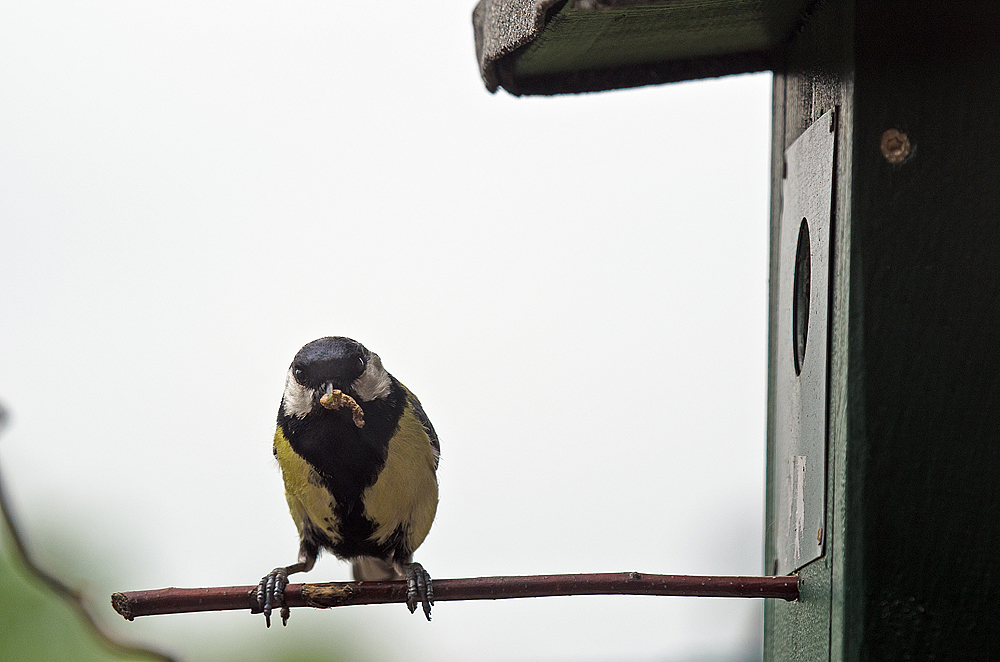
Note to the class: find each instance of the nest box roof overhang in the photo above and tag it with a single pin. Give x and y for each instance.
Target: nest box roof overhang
(567, 46)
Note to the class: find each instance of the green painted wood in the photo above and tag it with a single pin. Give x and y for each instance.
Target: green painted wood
(931, 339)
(816, 77)
(587, 48)
(914, 428)
(577, 39)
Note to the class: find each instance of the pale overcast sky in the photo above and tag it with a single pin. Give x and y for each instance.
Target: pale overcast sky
(574, 286)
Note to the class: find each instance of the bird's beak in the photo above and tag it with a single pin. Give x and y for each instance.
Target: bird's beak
(325, 389)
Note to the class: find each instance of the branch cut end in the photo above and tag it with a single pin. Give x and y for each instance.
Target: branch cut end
(122, 605)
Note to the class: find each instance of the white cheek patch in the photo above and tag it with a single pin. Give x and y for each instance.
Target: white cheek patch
(374, 382)
(298, 400)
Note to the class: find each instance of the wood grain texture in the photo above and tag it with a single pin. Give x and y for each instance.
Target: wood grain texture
(914, 427)
(927, 233)
(590, 46)
(815, 77)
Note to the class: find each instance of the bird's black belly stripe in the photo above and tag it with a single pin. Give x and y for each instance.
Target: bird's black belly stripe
(348, 460)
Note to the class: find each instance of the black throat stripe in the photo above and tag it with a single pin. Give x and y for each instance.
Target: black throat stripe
(348, 459)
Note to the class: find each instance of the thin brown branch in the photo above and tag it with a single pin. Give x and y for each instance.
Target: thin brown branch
(182, 600)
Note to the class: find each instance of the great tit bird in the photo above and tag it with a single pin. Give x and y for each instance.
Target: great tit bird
(358, 456)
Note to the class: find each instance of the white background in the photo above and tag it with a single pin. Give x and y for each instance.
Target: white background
(575, 287)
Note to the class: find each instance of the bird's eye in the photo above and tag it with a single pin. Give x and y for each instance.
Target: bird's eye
(361, 364)
(298, 372)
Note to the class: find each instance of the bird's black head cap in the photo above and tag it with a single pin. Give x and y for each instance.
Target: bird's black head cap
(334, 359)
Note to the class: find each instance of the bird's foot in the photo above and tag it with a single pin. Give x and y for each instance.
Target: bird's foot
(419, 589)
(271, 593)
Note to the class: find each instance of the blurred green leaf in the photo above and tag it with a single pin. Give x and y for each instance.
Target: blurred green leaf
(36, 624)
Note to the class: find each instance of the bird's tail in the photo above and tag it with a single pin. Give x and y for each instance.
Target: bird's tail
(371, 569)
